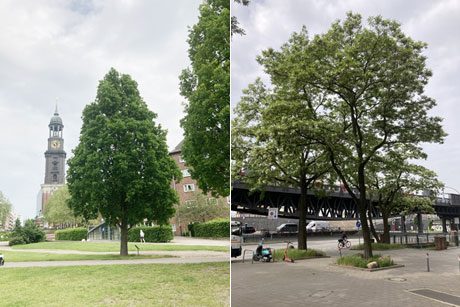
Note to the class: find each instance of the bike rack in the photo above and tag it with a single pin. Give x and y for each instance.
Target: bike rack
(244, 254)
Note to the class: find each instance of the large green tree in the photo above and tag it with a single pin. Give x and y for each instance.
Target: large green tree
(121, 168)
(272, 144)
(5, 209)
(372, 77)
(206, 86)
(57, 211)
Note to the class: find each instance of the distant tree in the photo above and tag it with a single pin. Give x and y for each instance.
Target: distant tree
(206, 86)
(5, 209)
(57, 210)
(121, 168)
(393, 181)
(202, 209)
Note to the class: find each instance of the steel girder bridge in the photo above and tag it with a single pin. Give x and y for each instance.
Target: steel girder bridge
(336, 204)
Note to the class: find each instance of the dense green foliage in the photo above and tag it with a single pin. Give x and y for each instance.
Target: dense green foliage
(121, 168)
(30, 233)
(151, 234)
(57, 211)
(357, 260)
(5, 236)
(202, 209)
(218, 228)
(206, 86)
(358, 92)
(5, 209)
(295, 253)
(71, 234)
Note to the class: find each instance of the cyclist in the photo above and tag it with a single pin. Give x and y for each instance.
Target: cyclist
(343, 238)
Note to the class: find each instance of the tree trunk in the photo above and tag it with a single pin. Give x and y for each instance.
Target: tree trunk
(386, 228)
(371, 224)
(123, 231)
(362, 205)
(302, 238)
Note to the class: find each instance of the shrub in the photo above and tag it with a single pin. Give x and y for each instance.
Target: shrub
(298, 253)
(191, 228)
(379, 246)
(5, 236)
(151, 234)
(218, 228)
(357, 260)
(71, 234)
(30, 233)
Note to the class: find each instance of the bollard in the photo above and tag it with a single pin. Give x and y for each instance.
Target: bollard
(459, 263)
(340, 252)
(427, 262)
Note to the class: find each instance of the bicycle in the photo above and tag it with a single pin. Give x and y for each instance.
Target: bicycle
(344, 244)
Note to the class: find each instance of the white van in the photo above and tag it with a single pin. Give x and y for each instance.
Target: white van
(315, 226)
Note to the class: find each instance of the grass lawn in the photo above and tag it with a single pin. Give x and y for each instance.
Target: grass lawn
(115, 247)
(204, 284)
(26, 256)
(298, 253)
(379, 246)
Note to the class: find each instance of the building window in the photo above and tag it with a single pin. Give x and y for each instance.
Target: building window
(181, 159)
(189, 203)
(173, 227)
(211, 201)
(189, 187)
(185, 173)
(228, 200)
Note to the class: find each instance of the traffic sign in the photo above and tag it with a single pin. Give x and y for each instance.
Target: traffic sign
(358, 224)
(103, 229)
(272, 213)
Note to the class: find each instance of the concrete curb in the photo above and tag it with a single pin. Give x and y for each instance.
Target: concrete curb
(369, 270)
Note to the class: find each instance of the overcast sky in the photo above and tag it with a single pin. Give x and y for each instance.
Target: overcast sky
(270, 23)
(62, 49)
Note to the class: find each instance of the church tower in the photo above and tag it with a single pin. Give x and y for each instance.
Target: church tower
(55, 162)
(55, 155)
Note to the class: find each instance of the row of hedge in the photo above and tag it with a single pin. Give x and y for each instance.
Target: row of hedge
(218, 228)
(71, 234)
(159, 234)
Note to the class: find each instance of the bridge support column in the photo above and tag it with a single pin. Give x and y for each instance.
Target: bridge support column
(419, 222)
(403, 223)
(444, 224)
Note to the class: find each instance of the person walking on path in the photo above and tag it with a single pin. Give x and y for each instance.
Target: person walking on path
(142, 237)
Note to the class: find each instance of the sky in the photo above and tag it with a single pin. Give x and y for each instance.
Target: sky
(270, 23)
(54, 48)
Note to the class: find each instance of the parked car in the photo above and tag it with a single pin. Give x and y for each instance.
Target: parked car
(287, 227)
(249, 229)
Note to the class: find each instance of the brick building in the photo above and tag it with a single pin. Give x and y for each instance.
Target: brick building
(186, 189)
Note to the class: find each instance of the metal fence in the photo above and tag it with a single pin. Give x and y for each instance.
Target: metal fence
(420, 239)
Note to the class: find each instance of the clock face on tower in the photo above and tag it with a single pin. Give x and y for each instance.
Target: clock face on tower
(55, 144)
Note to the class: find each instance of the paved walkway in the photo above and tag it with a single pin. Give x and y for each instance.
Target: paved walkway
(316, 282)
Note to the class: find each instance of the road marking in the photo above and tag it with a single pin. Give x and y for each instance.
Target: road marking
(437, 296)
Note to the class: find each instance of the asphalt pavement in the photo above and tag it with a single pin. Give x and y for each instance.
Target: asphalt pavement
(318, 282)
